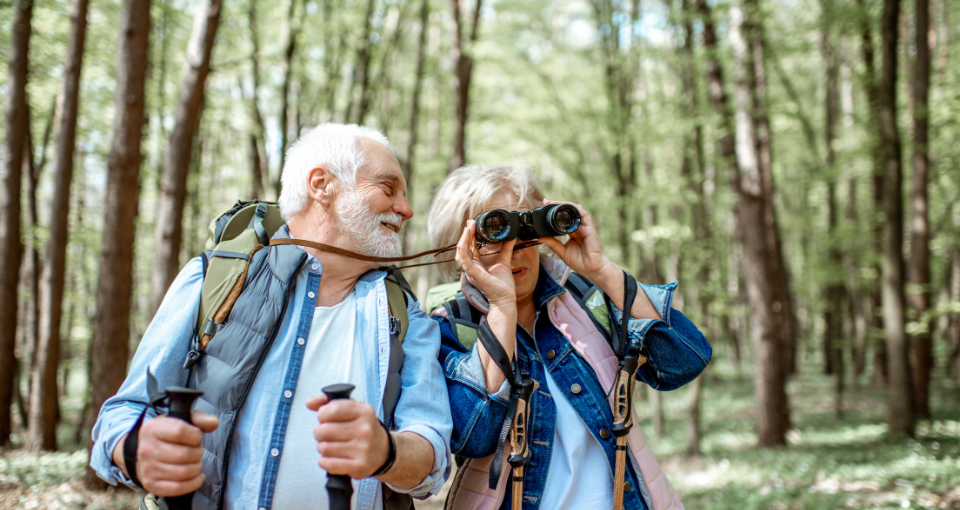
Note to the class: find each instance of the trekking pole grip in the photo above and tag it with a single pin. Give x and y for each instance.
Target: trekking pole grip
(339, 487)
(181, 401)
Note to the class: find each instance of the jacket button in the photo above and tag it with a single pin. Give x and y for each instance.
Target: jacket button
(551, 354)
(575, 389)
(626, 486)
(604, 433)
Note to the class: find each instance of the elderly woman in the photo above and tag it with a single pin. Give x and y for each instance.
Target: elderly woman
(543, 320)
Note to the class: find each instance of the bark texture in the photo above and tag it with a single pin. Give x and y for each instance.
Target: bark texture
(259, 160)
(919, 272)
(754, 213)
(11, 248)
(900, 398)
(41, 435)
(110, 349)
(291, 27)
(173, 188)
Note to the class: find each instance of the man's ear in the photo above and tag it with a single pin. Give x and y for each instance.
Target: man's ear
(320, 186)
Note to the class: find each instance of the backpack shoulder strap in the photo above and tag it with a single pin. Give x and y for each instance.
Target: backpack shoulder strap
(397, 303)
(464, 320)
(592, 299)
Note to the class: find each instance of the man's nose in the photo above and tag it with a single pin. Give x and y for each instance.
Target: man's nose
(402, 207)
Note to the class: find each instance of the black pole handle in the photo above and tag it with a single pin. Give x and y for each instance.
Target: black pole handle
(181, 401)
(339, 487)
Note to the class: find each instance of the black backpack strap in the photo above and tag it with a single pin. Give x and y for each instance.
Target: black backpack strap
(394, 273)
(629, 296)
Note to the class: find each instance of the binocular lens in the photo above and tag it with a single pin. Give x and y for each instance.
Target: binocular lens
(565, 219)
(493, 226)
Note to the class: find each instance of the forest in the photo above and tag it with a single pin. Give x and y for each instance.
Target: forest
(787, 161)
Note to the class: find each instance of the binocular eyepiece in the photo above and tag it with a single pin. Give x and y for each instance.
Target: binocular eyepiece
(499, 225)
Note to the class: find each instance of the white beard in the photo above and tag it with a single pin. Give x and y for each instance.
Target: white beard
(365, 229)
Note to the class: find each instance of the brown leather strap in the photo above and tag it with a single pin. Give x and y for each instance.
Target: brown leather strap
(368, 258)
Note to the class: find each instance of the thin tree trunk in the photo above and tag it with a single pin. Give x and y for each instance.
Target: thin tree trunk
(872, 93)
(463, 65)
(753, 211)
(11, 248)
(919, 271)
(955, 316)
(259, 160)
(412, 131)
(43, 396)
(900, 398)
(834, 289)
(361, 71)
(291, 27)
(111, 327)
(173, 191)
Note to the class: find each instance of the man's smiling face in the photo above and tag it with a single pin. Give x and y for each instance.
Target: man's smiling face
(373, 212)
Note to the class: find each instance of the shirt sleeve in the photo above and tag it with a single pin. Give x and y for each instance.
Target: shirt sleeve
(676, 351)
(162, 349)
(423, 408)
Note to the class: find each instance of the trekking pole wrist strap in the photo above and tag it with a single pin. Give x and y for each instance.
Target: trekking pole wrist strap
(130, 445)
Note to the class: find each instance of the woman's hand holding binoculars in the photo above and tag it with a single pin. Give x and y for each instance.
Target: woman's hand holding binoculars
(583, 252)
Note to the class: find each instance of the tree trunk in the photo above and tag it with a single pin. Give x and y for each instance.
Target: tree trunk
(173, 190)
(361, 70)
(919, 271)
(259, 160)
(291, 27)
(41, 434)
(833, 343)
(11, 247)
(753, 212)
(463, 66)
(872, 93)
(955, 316)
(900, 398)
(111, 327)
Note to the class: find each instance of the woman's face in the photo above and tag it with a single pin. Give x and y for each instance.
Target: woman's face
(525, 262)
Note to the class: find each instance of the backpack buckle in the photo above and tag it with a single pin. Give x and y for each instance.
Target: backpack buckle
(211, 328)
(394, 327)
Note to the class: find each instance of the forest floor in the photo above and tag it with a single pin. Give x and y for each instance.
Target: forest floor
(830, 463)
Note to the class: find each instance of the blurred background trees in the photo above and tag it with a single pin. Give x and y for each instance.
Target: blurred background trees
(755, 150)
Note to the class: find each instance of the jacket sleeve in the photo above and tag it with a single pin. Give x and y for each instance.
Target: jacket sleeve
(163, 348)
(422, 408)
(676, 351)
(477, 415)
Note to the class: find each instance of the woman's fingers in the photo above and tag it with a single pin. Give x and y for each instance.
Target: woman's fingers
(506, 252)
(555, 245)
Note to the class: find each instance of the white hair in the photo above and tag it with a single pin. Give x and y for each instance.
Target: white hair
(336, 148)
(466, 192)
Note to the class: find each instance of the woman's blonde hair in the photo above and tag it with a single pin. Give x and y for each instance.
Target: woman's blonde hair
(465, 193)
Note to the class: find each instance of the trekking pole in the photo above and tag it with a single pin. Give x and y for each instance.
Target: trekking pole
(623, 421)
(181, 400)
(519, 447)
(339, 487)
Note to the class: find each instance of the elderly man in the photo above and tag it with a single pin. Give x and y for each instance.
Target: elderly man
(342, 186)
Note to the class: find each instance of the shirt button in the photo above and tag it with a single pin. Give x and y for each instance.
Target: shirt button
(575, 389)
(604, 433)
(626, 486)
(551, 354)
(315, 266)
(289, 394)
(274, 452)
(311, 295)
(301, 341)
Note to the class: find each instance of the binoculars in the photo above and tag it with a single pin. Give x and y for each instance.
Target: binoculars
(499, 226)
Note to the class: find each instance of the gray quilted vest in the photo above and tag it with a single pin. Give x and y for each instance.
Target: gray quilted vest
(232, 359)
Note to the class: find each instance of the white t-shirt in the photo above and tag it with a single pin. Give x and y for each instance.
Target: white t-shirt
(332, 356)
(579, 474)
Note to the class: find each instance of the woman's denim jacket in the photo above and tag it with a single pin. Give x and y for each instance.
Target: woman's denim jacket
(675, 349)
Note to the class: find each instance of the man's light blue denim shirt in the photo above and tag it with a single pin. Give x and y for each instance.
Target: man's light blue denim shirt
(423, 406)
